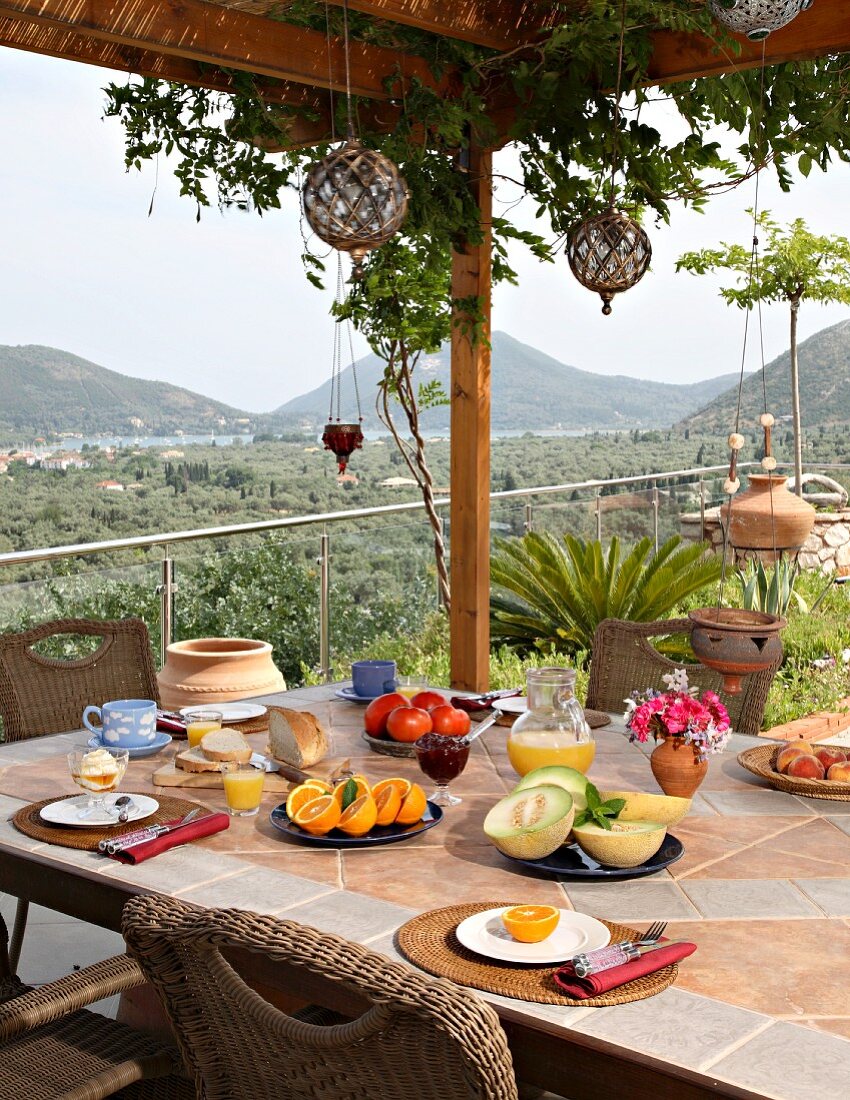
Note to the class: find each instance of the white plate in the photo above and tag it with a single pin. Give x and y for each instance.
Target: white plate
(514, 704)
(65, 812)
(230, 712)
(485, 934)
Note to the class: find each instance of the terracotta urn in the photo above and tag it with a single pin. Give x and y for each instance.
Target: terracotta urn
(767, 516)
(735, 642)
(217, 670)
(677, 768)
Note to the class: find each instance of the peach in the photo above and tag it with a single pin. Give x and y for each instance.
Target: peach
(790, 751)
(840, 772)
(805, 766)
(829, 755)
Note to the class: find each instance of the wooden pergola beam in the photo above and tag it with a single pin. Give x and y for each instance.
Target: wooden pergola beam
(225, 38)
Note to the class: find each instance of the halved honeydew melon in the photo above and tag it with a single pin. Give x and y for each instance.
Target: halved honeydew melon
(532, 823)
(558, 775)
(649, 807)
(627, 844)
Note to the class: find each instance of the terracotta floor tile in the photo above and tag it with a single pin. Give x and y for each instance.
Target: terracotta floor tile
(318, 864)
(827, 855)
(708, 840)
(760, 965)
(428, 879)
(835, 1025)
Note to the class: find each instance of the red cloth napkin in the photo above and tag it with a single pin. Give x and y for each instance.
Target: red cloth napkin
(194, 830)
(582, 988)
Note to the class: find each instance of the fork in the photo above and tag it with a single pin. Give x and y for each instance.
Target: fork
(652, 935)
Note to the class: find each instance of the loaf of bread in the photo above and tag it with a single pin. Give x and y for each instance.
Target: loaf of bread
(193, 760)
(226, 745)
(296, 737)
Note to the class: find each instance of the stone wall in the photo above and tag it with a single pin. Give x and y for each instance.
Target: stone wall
(827, 547)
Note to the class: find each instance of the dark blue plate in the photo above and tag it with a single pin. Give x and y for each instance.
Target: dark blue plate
(570, 861)
(380, 834)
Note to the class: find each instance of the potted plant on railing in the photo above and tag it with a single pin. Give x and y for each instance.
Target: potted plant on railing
(688, 729)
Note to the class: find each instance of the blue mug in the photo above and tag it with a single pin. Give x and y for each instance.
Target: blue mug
(125, 723)
(373, 678)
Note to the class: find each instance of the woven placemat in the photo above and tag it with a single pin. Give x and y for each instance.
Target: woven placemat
(253, 725)
(597, 718)
(429, 941)
(759, 761)
(29, 822)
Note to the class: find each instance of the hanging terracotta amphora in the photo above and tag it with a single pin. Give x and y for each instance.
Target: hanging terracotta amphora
(677, 767)
(768, 516)
(735, 642)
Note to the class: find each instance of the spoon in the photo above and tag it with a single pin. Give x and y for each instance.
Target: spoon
(480, 728)
(124, 805)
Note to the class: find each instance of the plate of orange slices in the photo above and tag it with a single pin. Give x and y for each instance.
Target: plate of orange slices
(355, 812)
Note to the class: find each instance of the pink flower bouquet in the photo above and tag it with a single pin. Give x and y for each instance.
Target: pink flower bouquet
(677, 712)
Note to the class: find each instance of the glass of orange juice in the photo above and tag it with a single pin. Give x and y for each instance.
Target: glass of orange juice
(199, 722)
(553, 729)
(243, 788)
(408, 686)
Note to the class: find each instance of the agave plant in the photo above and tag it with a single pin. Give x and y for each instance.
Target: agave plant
(773, 591)
(552, 595)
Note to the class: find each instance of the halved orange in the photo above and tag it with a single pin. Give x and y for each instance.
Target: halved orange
(319, 815)
(531, 923)
(388, 803)
(362, 787)
(360, 816)
(413, 806)
(401, 785)
(299, 796)
(320, 784)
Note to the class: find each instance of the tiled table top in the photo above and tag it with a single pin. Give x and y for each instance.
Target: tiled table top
(763, 889)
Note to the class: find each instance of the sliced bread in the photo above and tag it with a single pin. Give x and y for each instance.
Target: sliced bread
(193, 760)
(296, 737)
(226, 745)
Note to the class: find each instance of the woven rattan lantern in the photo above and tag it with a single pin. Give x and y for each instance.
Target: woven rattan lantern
(355, 199)
(608, 254)
(757, 18)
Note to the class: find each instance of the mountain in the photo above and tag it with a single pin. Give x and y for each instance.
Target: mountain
(45, 390)
(531, 392)
(824, 367)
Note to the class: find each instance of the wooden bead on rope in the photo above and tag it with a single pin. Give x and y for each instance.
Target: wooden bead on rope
(731, 486)
(736, 441)
(768, 463)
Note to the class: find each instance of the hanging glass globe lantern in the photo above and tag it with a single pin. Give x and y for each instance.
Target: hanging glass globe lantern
(756, 18)
(355, 199)
(608, 254)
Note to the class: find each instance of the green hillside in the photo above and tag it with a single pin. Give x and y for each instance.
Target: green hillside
(531, 392)
(44, 390)
(824, 364)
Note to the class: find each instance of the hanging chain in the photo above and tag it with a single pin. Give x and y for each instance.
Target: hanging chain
(349, 112)
(330, 70)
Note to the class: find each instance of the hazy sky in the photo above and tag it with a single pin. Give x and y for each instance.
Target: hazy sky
(223, 307)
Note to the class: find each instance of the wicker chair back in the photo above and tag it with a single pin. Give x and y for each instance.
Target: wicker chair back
(41, 695)
(623, 660)
(413, 1038)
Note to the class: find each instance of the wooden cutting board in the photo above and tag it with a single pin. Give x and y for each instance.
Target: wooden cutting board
(170, 776)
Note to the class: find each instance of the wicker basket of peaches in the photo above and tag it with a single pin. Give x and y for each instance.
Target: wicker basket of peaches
(802, 767)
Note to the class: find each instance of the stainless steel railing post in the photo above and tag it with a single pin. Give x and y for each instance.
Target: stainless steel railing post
(701, 510)
(655, 512)
(528, 517)
(598, 517)
(166, 589)
(324, 608)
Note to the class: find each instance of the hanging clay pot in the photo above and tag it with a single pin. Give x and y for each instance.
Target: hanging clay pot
(217, 670)
(677, 768)
(735, 642)
(767, 516)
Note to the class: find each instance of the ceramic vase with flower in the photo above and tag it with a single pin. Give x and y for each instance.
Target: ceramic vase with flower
(687, 728)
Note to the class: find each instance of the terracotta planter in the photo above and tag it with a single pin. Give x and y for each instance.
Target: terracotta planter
(217, 670)
(676, 767)
(735, 642)
(767, 516)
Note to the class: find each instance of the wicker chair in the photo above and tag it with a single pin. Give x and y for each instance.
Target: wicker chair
(623, 660)
(51, 1048)
(418, 1039)
(41, 695)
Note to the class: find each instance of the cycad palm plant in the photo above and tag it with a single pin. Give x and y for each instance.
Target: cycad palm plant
(552, 595)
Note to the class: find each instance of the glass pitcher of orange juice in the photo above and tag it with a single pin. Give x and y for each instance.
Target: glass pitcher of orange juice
(553, 729)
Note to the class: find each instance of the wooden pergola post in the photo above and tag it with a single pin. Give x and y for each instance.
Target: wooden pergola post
(470, 451)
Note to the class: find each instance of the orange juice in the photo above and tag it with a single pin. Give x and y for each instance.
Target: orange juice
(243, 789)
(197, 727)
(540, 749)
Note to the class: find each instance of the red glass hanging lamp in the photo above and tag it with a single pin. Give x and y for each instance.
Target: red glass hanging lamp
(342, 437)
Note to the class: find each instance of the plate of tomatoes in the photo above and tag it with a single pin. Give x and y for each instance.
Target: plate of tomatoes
(393, 722)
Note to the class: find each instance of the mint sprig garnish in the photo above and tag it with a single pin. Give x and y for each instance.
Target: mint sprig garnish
(349, 793)
(599, 812)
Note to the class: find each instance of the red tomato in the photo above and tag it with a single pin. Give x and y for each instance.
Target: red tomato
(408, 723)
(450, 722)
(427, 700)
(375, 718)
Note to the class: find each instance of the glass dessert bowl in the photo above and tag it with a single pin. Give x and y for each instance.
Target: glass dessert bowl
(97, 772)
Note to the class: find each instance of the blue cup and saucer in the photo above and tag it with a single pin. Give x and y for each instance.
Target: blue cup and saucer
(126, 724)
(369, 680)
